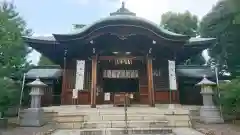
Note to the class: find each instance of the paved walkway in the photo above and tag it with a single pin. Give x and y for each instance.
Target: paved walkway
(219, 129)
(186, 131)
(26, 130)
(177, 131)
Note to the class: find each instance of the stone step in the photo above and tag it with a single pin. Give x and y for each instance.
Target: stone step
(69, 118)
(195, 115)
(131, 113)
(142, 131)
(178, 120)
(122, 124)
(116, 131)
(132, 117)
(133, 110)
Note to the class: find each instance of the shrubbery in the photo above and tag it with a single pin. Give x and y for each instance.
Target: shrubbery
(9, 94)
(230, 98)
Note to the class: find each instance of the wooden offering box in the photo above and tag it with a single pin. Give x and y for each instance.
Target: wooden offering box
(119, 99)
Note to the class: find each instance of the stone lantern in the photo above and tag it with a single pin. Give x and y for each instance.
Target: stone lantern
(33, 116)
(209, 113)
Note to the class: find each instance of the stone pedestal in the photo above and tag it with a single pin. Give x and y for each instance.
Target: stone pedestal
(34, 116)
(209, 113)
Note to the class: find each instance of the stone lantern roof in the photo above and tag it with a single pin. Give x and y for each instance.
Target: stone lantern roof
(37, 83)
(205, 81)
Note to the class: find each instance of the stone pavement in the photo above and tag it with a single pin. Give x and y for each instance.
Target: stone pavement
(26, 130)
(219, 129)
(176, 131)
(186, 131)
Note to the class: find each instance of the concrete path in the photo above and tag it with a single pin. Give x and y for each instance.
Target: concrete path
(177, 131)
(26, 130)
(219, 129)
(186, 131)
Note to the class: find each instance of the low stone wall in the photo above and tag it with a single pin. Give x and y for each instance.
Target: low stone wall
(12, 111)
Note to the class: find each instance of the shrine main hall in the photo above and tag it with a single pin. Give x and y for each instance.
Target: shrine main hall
(120, 54)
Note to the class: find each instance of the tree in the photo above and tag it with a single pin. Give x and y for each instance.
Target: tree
(44, 61)
(13, 51)
(182, 23)
(13, 54)
(222, 23)
(9, 94)
(230, 98)
(186, 24)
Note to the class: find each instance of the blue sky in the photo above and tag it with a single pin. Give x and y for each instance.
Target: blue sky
(45, 17)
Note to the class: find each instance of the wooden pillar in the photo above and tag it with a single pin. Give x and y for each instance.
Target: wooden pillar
(94, 82)
(151, 96)
(64, 79)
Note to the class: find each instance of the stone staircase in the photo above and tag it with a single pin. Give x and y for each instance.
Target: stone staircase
(113, 117)
(136, 118)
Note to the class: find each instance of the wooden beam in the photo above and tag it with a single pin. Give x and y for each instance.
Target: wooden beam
(120, 57)
(94, 82)
(151, 96)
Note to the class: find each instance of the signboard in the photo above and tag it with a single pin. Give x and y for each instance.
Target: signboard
(172, 75)
(120, 73)
(79, 84)
(107, 96)
(75, 93)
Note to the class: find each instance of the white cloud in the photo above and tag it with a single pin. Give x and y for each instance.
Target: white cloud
(34, 57)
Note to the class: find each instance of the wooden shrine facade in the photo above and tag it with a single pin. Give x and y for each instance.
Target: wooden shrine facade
(120, 53)
(151, 78)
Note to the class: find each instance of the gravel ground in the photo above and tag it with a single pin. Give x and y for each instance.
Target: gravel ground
(26, 130)
(219, 129)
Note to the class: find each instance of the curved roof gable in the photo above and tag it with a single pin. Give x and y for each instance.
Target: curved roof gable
(122, 17)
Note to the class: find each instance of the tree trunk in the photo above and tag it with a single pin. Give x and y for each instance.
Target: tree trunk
(1, 115)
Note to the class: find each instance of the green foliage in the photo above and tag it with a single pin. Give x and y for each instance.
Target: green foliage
(182, 23)
(186, 24)
(13, 54)
(13, 50)
(222, 23)
(44, 61)
(230, 97)
(9, 93)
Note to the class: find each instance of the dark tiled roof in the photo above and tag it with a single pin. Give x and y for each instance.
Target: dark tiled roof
(45, 72)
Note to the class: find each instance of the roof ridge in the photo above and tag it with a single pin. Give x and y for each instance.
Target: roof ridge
(46, 66)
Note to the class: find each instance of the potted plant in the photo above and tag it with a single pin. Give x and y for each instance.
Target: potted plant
(8, 97)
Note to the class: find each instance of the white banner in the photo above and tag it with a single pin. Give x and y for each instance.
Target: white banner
(75, 94)
(79, 84)
(172, 75)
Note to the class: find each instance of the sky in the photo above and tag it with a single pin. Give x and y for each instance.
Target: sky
(45, 17)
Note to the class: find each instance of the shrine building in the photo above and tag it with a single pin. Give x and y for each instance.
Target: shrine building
(123, 53)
